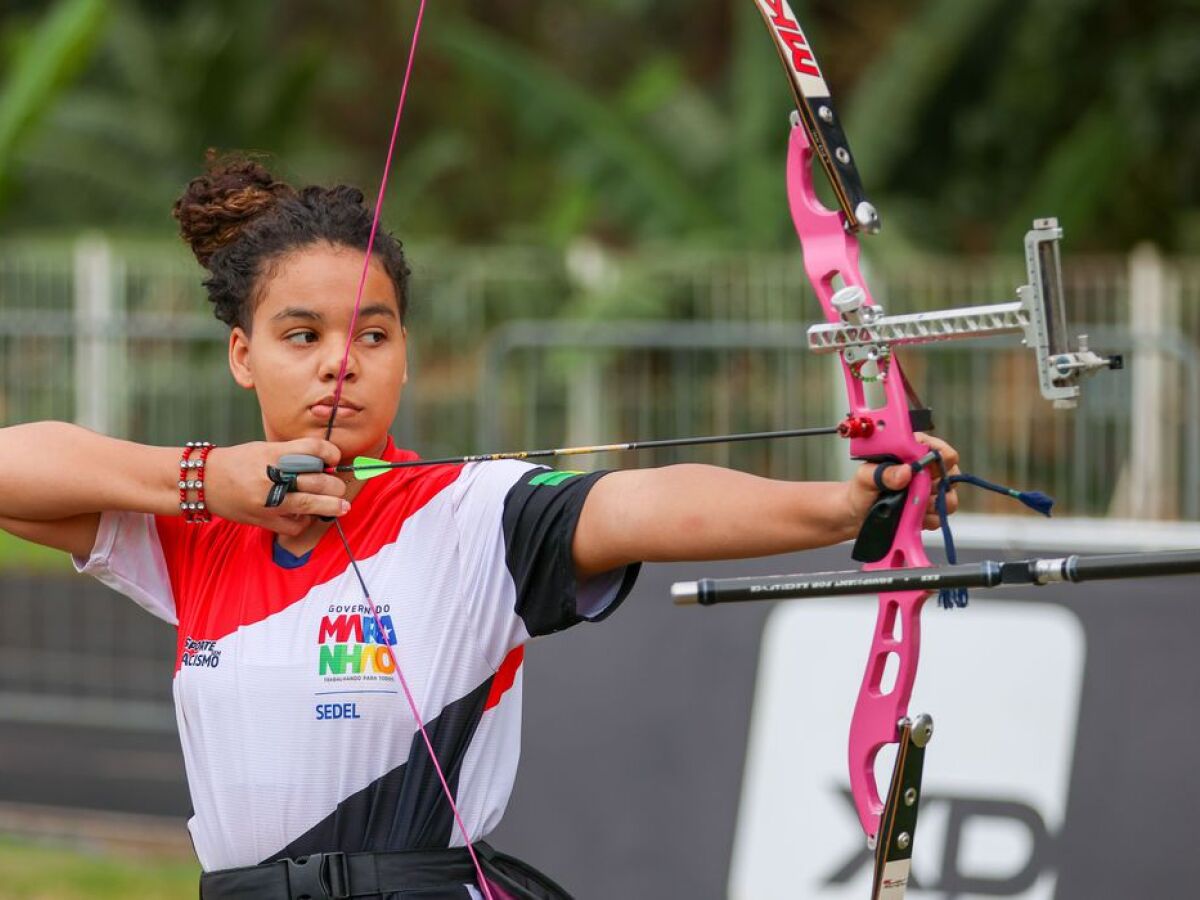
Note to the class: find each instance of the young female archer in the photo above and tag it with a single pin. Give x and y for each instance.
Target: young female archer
(309, 775)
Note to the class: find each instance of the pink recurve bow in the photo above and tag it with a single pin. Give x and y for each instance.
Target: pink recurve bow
(883, 418)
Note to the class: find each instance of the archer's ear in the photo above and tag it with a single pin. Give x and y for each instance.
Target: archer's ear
(239, 358)
(404, 340)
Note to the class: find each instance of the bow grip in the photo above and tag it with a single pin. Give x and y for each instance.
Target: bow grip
(878, 531)
(882, 521)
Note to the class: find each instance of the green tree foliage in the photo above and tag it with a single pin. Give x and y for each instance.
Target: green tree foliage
(982, 114)
(43, 60)
(115, 149)
(629, 121)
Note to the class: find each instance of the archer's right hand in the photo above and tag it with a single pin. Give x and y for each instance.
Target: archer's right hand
(236, 485)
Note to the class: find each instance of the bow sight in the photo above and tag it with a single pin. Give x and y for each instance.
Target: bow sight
(865, 335)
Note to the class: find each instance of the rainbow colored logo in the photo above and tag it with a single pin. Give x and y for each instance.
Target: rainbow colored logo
(351, 644)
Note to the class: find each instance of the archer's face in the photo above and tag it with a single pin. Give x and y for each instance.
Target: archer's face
(297, 341)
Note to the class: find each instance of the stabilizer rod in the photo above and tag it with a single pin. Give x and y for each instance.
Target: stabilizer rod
(987, 574)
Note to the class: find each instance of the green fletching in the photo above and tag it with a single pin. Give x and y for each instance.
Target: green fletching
(368, 467)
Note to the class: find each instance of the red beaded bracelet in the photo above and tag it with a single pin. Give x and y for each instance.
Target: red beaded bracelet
(191, 478)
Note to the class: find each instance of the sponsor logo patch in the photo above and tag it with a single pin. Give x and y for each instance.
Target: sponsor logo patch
(552, 478)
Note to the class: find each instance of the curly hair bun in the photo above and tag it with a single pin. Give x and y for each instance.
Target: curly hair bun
(217, 205)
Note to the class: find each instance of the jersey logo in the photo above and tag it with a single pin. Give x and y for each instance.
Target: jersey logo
(552, 478)
(205, 654)
(351, 645)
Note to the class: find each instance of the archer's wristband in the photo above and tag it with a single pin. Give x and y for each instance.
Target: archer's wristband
(191, 483)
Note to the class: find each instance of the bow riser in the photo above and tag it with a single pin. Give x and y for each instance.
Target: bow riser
(831, 256)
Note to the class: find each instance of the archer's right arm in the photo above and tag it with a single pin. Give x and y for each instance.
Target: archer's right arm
(56, 478)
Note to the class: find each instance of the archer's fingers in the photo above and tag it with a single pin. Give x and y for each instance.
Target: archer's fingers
(951, 503)
(289, 525)
(301, 504)
(325, 485)
(326, 450)
(933, 521)
(949, 454)
(894, 477)
(293, 526)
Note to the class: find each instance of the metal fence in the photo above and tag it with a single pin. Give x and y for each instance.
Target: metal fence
(72, 651)
(517, 347)
(646, 379)
(118, 336)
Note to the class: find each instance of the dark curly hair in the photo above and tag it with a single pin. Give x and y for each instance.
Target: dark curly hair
(238, 220)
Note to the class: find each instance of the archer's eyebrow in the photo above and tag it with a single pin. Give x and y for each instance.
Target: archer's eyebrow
(300, 312)
(386, 310)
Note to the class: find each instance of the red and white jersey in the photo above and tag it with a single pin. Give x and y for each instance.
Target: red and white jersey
(295, 735)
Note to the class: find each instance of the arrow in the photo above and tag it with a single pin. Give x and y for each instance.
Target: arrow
(365, 467)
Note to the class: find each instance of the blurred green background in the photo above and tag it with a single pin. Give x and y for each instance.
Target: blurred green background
(626, 120)
(619, 162)
(591, 160)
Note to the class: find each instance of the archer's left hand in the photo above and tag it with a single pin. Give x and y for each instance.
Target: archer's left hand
(862, 489)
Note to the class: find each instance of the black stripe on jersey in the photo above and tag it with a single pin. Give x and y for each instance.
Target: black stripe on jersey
(540, 514)
(404, 809)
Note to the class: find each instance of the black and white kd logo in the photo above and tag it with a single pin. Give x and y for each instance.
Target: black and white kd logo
(953, 883)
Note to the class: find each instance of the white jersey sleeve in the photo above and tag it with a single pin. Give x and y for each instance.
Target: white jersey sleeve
(128, 557)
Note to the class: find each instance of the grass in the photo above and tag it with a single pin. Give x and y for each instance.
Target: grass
(37, 872)
(18, 554)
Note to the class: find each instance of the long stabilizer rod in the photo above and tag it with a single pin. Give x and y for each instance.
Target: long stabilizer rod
(986, 574)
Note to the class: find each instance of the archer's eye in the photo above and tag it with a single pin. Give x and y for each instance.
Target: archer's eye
(301, 337)
(374, 337)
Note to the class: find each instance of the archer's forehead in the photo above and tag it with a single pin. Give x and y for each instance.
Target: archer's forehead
(318, 284)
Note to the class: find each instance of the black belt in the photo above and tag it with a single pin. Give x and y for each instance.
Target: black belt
(340, 876)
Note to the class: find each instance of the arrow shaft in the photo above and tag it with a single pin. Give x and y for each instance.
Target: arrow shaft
(595, 448)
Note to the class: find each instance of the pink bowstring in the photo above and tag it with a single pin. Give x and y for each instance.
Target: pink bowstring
(375, 218)
(337, 396)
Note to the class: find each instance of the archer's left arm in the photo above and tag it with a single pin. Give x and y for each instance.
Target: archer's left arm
(699, 512)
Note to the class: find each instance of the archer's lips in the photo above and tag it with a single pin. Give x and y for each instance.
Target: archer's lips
(324, 409)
